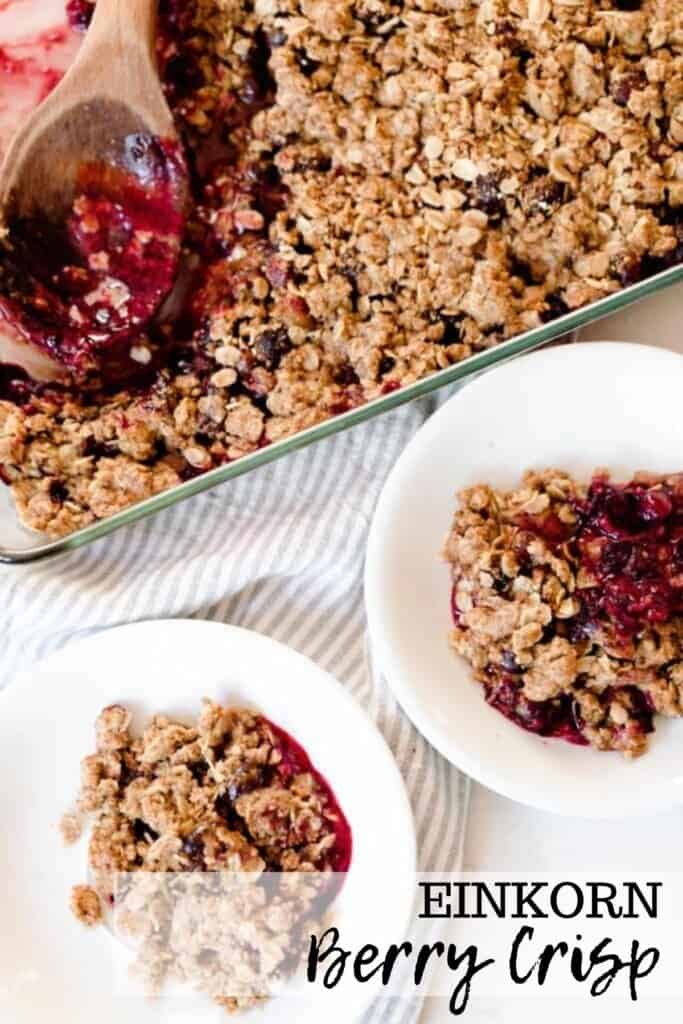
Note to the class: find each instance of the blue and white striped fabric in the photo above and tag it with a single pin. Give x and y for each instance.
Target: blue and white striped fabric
(280, 551)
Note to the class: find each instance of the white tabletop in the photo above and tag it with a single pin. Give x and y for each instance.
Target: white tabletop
(504, 836)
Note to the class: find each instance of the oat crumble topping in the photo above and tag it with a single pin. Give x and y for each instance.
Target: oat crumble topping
(86, 906)
(383, 188)
(568, 603)
(180, 812)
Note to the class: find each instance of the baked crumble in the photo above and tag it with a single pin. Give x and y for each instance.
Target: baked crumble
(568, 603)
(86, 906)
(382, 188)
(212, 844)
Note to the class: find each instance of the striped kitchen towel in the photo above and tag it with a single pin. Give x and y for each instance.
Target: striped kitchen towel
(279, 551)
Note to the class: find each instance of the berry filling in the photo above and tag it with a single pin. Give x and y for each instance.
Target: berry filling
(555, 719)
(630, 539)
(295, 761)
(90, 287)
(568, 601)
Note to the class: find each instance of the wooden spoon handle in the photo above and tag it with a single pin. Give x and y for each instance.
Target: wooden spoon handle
(118, 61)
(122, 22)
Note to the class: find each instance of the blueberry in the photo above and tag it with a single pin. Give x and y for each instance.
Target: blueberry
(655, 506)
(143, 832)
(547, 195)
(307, 65)
(555, 307)
(58, 491)
(199, 770)
(486, 196)
(271, 346)
(386, 365)
(193, 848)
(345, 376)
(510, 663)
(629, 270)
(615, 557)
(452, 331)
(623, 87)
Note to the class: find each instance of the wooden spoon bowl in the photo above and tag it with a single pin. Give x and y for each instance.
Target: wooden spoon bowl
(108, 113)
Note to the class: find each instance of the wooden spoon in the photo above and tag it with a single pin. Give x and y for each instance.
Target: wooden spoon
(111, 94)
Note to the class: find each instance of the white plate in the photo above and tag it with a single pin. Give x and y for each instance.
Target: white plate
(51, 968)
(577, 408)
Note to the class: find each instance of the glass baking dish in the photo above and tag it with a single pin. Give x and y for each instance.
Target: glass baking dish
(18, 545)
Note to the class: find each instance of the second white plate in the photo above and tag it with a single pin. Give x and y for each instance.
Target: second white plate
(577, 408)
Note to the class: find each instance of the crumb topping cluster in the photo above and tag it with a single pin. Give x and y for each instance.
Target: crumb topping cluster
(177, 816)
(382, 188)
(232, 792)
(568, 603)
